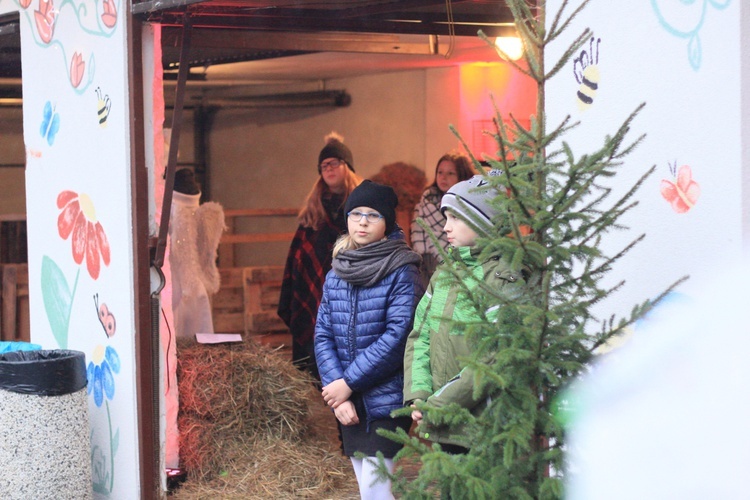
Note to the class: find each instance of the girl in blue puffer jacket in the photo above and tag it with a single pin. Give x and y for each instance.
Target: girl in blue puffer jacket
(364, 319)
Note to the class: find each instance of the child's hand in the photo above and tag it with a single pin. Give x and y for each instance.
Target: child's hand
(336, 393)
(346, 414)
(416, 415)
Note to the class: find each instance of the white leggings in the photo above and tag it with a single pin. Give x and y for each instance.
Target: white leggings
(370, 486)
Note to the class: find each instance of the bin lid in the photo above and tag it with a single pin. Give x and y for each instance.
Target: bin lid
(43, 372)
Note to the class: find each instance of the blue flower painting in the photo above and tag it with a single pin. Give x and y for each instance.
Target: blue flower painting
(104, 362)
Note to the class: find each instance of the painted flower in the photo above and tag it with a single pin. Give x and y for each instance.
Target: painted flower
(76, 69)
(45, 20)
(78, 218)
(25, 3)
(104, 362)
(109, 17)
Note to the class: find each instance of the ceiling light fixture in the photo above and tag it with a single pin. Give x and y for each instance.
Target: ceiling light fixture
(511, 46)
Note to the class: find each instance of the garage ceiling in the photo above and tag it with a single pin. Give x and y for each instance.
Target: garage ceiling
(347, 36)
(285, 41)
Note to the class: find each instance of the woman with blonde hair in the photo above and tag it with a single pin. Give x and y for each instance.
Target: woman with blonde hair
(365, 317)
(321, 221)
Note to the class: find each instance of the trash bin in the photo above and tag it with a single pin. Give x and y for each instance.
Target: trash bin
(18, 346)
(44, 425)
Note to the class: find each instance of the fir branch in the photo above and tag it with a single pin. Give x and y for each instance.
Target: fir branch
(568, 54)
(504, 56)
(555, 32)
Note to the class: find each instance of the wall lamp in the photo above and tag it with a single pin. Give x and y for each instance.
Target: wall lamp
(511, 46)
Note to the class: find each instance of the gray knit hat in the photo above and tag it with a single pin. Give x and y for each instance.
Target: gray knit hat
(470, 199)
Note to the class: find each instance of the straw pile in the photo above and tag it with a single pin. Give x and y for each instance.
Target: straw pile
(407, 181)
(253, 426)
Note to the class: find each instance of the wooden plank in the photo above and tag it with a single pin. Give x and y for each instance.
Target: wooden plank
(252, 297)
(229, 323)
(10, 305)
(228, 299)
(226, 252)
(24, 319)
(269, 297)
(230, 239)
(12, 217)
(265, 273)
(264, 321)
(231, 277)
(260, 212)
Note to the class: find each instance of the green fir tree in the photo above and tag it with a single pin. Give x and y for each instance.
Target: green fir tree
(556, 208)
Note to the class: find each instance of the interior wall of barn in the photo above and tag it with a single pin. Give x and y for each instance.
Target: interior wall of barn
(267, 158)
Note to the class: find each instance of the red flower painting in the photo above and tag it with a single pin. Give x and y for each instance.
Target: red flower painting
(45, 20)
(78, 218)
(109, 17)
(76, 69)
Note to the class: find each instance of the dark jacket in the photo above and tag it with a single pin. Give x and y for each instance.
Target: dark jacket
(307, 263)
(361, 333)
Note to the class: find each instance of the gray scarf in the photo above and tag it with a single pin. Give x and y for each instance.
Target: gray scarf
(369, 264)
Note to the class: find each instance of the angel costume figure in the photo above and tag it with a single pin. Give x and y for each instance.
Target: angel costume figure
(195, 231)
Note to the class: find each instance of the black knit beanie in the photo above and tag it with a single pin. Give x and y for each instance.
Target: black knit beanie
(334, 148)
(378, 197)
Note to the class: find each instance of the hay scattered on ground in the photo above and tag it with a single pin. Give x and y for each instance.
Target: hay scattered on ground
(249, 427)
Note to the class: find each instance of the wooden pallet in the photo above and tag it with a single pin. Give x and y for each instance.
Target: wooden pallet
(14, 304)
(247, 302)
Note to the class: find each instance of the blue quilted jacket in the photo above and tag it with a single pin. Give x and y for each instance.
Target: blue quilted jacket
(360, 336)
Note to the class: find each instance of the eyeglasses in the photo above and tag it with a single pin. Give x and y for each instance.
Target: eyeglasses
(332, 164)
(371, 217)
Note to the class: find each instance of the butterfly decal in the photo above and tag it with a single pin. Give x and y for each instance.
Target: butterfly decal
(45, 20)
(50, 123)
(682, 192)
(106, 318)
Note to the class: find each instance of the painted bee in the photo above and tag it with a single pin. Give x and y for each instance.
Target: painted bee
(104, 104)
(586, 71)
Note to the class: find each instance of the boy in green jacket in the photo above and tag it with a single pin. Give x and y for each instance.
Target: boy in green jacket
(435, 374)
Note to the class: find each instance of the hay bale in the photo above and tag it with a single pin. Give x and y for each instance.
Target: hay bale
(244, 388)
(279, 469)
(252, 426)
(408, 181)
(197, 446)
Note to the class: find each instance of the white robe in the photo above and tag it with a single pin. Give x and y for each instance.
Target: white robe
(195, 231)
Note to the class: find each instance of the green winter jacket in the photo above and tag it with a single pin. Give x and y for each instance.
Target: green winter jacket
(434, 370)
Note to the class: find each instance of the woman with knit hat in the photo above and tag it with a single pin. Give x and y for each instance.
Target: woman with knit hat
(435, 369)
(321, 221)
(364, 319)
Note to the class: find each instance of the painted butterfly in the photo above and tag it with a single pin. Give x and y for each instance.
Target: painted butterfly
(683, 192)
(106, 318)
(50, 123)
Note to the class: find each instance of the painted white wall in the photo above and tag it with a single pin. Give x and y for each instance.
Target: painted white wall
(692, 117)
(74, 65)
